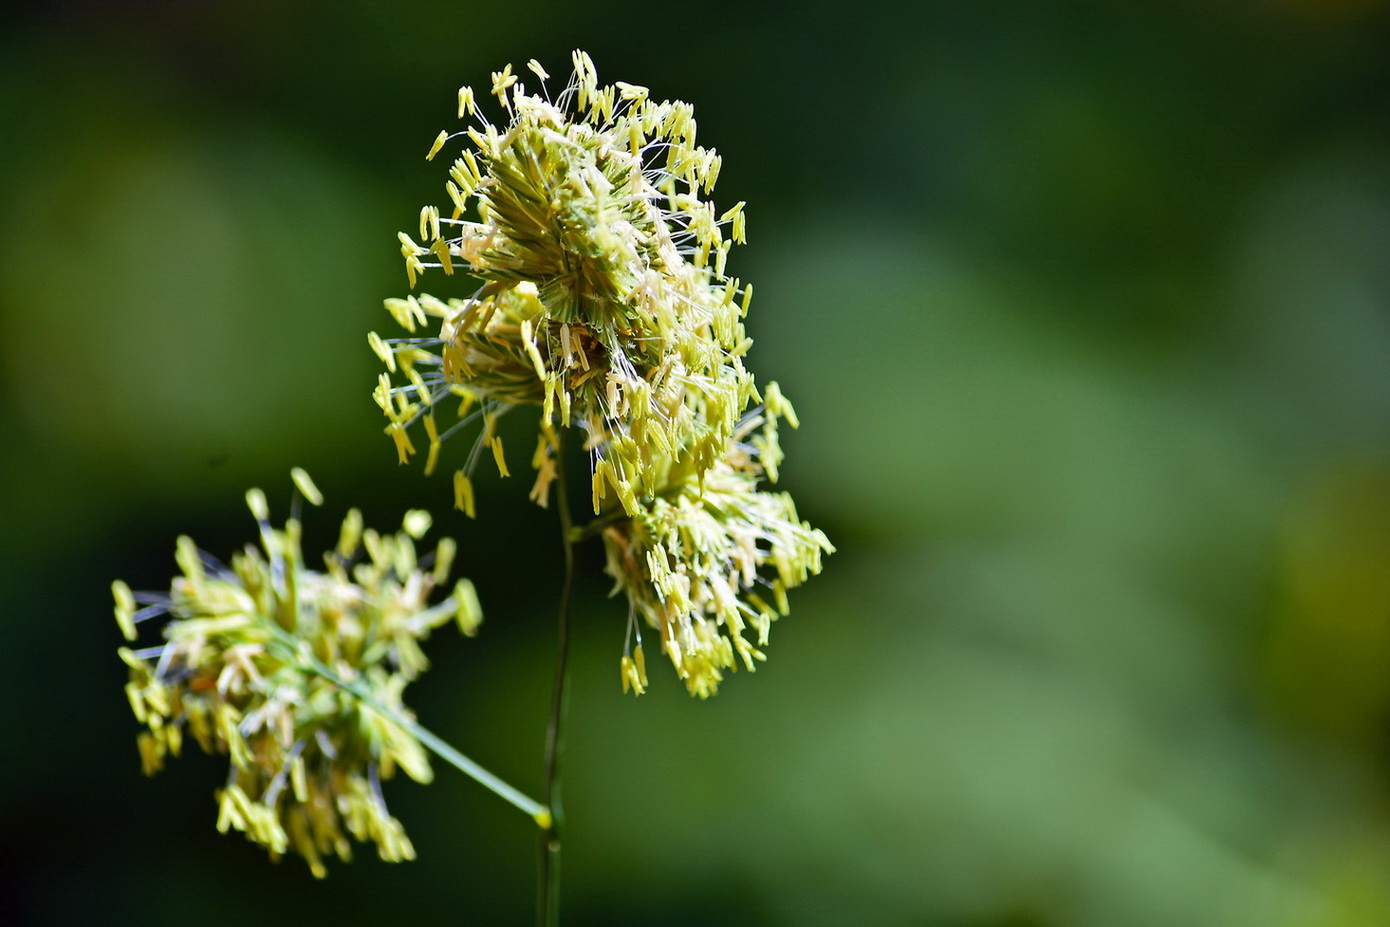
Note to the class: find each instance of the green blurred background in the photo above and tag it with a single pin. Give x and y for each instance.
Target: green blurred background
(1086, 312)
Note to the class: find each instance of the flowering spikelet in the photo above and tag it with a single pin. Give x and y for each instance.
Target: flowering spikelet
(297, 676)
(593, 243)
(701, 558)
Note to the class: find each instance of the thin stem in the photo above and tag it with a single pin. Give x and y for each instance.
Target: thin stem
(548, 906)
(441, 749)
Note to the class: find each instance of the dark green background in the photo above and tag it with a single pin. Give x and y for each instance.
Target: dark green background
(1086, 312)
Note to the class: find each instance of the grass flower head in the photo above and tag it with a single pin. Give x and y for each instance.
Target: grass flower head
(296, 675)
(602, 295)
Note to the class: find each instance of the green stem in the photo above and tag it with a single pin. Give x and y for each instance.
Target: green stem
(441, 749)
(548, 906)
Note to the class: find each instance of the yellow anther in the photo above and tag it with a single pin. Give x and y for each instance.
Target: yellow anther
(125, 609)
(306, 486)
(463, 494)
(382, 350)
(468, 612)
(439, 141)
(501, 80)
(416, 523)
(255, 501)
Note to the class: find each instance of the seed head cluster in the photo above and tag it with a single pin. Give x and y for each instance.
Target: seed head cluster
(297, 676)
(602, 299)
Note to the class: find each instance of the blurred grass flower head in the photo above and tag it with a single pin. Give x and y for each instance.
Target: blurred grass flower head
(297, 675)
(603, 299)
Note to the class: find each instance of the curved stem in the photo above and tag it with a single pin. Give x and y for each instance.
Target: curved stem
(443, 750)
(548, 902)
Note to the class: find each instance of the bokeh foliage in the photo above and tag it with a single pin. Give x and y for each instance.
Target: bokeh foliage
(1086, 312)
